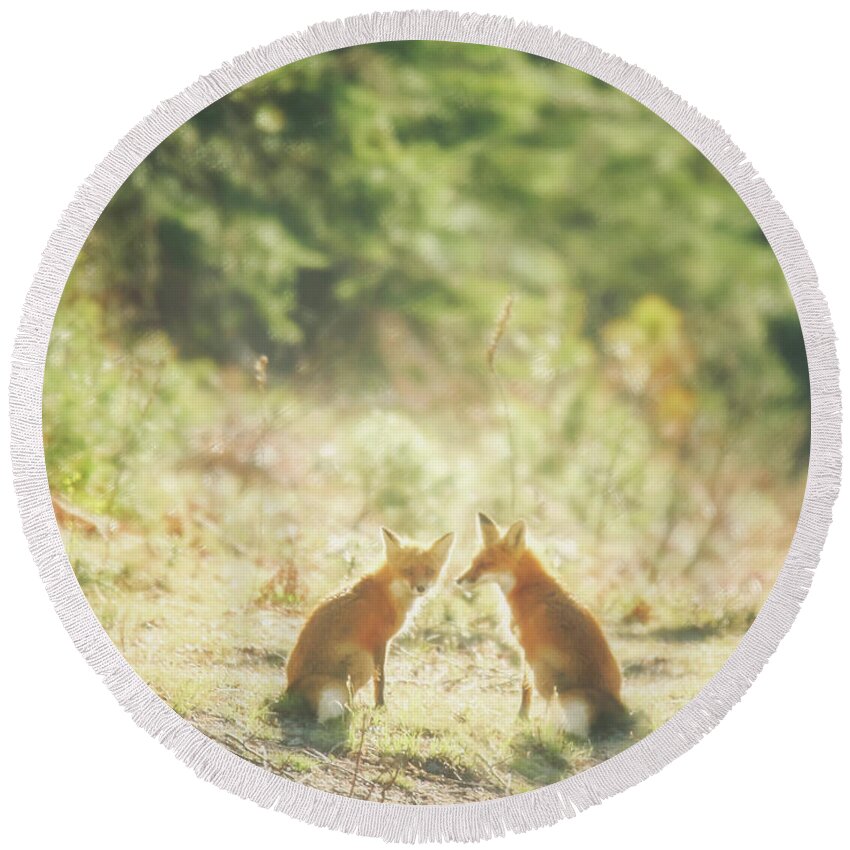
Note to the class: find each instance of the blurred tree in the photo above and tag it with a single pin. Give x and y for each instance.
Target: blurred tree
(371, 208)
(427, 177)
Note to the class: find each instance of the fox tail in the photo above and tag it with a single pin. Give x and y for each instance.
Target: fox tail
(586, 710)
(327, 696)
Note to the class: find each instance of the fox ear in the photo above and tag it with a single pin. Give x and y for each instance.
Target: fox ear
(488, 530)
(392, 544)
(515, 537)
(442, 548)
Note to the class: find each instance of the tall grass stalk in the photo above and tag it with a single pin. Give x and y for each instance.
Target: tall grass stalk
(499, 329)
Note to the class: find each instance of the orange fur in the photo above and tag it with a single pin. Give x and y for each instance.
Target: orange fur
(562, 643)
(344, 641)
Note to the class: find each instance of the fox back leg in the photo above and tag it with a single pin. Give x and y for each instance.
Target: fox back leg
(379, 657)
(525, 701)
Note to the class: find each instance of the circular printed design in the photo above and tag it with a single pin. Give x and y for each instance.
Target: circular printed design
(426, 422)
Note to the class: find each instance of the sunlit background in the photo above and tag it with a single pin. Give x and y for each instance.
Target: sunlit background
(396, 285)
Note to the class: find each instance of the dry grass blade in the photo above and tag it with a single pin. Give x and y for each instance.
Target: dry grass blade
(502, 321)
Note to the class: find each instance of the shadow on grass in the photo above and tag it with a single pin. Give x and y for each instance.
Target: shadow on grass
(299, 727)
(732, 623)
(267, 658)
(437, 754)
(543, 754)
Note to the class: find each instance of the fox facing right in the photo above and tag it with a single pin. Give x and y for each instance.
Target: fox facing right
(562, 643)
(344, 642)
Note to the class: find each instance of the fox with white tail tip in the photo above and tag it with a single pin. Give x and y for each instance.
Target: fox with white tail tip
(344, 642)
(562, 643)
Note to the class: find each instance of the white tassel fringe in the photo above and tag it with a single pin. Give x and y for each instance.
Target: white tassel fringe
(393, 822)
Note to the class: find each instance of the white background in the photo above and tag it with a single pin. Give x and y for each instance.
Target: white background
(76, 77)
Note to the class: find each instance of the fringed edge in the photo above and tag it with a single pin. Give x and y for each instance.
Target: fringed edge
(407, 823)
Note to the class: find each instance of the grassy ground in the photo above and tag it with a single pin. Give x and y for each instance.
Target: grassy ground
(205, 514)
(209, 628)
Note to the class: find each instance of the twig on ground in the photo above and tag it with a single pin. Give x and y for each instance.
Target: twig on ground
(385, 786)
(493, 772)
(263, 756)
(364, 725)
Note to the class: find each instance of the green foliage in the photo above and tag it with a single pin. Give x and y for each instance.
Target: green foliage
(428, 179)
(361, 217)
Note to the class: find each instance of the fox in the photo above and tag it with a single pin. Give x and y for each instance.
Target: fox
(562, 643)
(343, 644)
